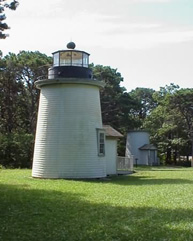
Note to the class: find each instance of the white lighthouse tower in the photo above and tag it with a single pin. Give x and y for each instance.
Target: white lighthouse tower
(70, 139)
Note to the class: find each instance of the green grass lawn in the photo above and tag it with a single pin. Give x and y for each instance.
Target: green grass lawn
(152, 204)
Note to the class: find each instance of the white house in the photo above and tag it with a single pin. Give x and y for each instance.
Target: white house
(138, 146)
(112, 137)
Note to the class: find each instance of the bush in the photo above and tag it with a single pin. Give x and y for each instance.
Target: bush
(183, 163)
(16, 150)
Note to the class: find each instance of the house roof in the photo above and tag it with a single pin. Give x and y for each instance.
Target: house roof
(111, 132)
(148, 147)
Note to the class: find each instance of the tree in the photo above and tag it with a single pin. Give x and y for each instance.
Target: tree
(167, 125)
(3, 26)
(182, 101)
(116, 103)
(31, 65)
(144, 103)
(18, 94)
(18, 109)
(10, 91)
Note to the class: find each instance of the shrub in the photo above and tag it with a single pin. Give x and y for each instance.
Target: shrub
(16, 150)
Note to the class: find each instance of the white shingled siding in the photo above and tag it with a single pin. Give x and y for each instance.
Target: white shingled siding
(111, 155)
(66, 135)
(144, 157)
(135, 140)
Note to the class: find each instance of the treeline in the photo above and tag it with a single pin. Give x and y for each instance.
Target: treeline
(167, 114)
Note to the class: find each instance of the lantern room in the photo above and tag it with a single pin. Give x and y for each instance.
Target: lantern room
(70, 63)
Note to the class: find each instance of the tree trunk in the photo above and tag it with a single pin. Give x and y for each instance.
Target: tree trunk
(175, 156)
(168, 156)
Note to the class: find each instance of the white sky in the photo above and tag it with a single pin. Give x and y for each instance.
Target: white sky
(150, 42)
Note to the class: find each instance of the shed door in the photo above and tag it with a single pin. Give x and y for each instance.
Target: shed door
(152, 157)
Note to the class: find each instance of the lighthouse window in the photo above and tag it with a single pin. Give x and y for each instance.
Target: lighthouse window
(76, 58)
(101, 142)
(65, 58)
(85, 60)
(56, 59)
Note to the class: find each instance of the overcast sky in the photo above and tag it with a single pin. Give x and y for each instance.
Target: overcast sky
(150, 42)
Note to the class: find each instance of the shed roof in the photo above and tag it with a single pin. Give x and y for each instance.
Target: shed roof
(111, 132)
(148, 147)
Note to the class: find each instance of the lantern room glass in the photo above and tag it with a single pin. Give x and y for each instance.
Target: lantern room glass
(76, 58)
(56, 59)
(85, 60)
(71, 58)
(65, 58)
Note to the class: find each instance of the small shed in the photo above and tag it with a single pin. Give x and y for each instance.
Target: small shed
(148, 153)
(138, 145)
(112, 137)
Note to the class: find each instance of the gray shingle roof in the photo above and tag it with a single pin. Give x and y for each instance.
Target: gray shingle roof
(111, 132)
(148, 147)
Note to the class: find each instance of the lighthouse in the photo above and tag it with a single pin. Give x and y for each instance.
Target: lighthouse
(70, 139)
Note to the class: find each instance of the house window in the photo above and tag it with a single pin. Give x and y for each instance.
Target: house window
(101, 142)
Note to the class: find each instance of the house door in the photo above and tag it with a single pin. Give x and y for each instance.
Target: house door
(152, 157)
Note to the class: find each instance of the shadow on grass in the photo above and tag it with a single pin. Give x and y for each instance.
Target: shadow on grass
(38, 215)
(162, 168)
(146, 180)
(131, 180)
(166, 170)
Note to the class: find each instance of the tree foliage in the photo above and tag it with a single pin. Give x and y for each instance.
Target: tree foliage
(18, 109)
(182, 102)
(170, 123)
(144, 104)
(116, 103)
(3, 5)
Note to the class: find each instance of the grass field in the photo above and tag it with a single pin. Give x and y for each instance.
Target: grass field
(154, 204)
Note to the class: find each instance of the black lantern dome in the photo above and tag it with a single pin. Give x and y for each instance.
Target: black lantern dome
(71, 45)
(70, 63)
